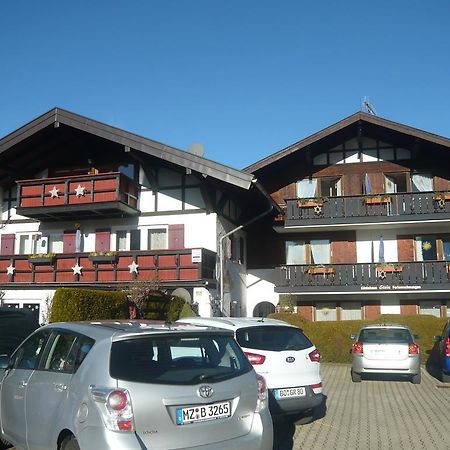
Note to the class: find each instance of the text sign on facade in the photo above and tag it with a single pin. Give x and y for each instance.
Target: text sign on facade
(196, 255)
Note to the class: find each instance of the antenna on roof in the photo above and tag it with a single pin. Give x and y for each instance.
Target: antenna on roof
(367, 107)
(196, 149)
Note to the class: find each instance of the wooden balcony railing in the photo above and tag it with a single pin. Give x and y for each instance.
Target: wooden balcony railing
(368, 208)
(106, 193)
(359, 277)
(166, 266)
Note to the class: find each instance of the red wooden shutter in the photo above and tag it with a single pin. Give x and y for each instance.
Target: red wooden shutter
(102, 240)
(176, 236)
(7, 245)
(69, 239)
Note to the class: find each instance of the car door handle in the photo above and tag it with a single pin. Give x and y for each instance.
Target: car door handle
(60, 387)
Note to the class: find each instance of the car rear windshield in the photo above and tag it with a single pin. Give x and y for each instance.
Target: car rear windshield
(272, 338)
(180, 360)
(386, 336)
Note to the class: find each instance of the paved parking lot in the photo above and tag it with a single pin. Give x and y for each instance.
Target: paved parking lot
(374, 414)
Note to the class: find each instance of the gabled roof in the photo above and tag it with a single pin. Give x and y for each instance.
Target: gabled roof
(359, 118)
(58, 116)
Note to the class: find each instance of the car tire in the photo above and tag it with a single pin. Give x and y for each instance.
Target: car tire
(70, 443)
(416, 379)
(4, 444)
(356, 377)
(445, 377)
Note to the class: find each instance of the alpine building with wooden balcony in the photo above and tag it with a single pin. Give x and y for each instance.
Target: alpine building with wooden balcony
(87, 204)
(365, 223)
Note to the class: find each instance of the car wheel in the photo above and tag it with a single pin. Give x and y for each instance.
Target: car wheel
(4, 444)
(416, 379)
(356, 377)
(445, 377)
(70, 443)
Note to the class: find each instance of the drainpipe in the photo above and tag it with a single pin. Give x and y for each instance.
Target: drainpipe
(254, 219)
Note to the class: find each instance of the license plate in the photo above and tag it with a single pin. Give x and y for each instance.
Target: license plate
(202, 413)
(290, 392)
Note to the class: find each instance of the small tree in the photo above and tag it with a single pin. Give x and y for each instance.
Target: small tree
(286, 303)
(141, 291)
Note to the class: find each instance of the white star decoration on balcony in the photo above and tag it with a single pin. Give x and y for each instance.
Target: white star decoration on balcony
(10, 269)
(133, 267)
(80, 190)
(77, 269)
(54, 192)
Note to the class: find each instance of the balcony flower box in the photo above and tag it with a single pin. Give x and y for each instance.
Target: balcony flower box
(310, 202)
(389, 268)
(42, 259)
(384, 269)
(377, 199)
(320, 270)
(107, 257)
(441, 196)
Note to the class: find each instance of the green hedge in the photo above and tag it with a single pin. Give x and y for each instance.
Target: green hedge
(333, 338)
(70, 305)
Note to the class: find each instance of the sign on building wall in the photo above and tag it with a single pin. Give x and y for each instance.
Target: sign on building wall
(196, 255)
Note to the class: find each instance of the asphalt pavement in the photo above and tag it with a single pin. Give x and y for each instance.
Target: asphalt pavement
(378, 413)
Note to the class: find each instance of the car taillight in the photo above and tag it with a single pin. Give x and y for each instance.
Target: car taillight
(115, 406)
(317, 388)
(314, 356)
(447, 347)
(263, 397)
(357, 347)
(255, 359)
(413, 349)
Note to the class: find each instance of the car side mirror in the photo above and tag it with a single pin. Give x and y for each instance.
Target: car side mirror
(416, 336)
(4, 362)
(437, 338)
(353, 336)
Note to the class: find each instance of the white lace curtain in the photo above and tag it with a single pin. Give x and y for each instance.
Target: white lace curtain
(307, 188)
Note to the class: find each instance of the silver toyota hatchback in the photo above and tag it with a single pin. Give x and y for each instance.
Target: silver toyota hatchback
(385, 349)
(129, 386)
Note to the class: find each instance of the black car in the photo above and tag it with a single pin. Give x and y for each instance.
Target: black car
(15, 325)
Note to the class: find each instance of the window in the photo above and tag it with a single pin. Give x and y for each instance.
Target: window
(330, 186)
(307, 188)
(351, 311)
(316, 251)
(295, 252)
(30, 243)
(326, 312)
(422, 182)
(430, 307)
(157, 239)
(446, 249)
(121, 240)
(395, 182)
(67, 352)
(55, 243)
(272, 338)
(24, 244)
(27, 356)
(180, 360)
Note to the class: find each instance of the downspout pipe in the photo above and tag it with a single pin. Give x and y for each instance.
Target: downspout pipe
(234, 230)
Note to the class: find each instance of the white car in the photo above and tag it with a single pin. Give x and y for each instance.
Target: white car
(283, 355)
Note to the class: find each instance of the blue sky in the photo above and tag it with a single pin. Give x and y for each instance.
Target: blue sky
(244, 77)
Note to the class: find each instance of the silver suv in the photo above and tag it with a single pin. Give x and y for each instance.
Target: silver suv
(132, 385)
(385, 349)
